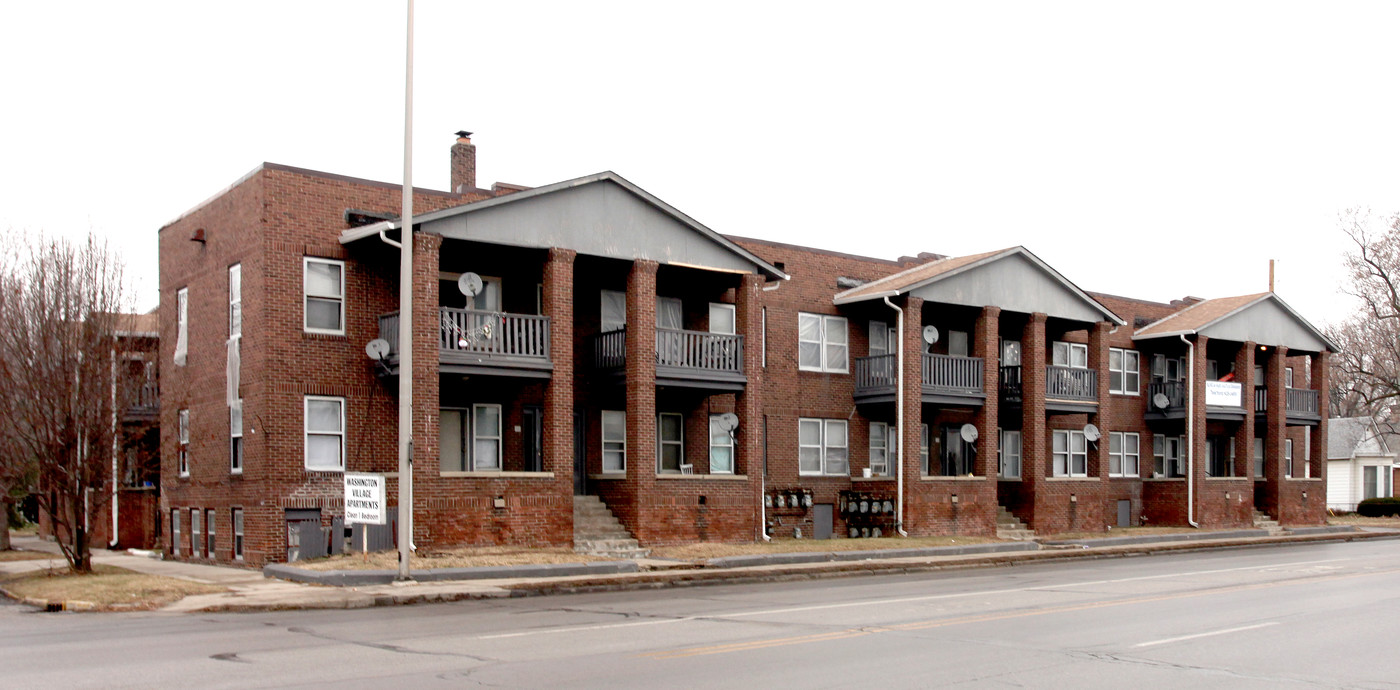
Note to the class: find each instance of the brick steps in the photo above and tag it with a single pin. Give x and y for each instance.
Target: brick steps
(1010, 527)
(597, 532)
(1264, 522)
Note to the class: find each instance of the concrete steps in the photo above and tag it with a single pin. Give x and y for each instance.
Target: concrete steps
(597, 532)
(1010, 527)
(1268, 524)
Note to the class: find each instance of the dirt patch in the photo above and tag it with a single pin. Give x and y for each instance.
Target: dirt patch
(1360, 521)
(1122, 532)
(6, 556)
(706, 551)
(106, 588)
(452, 558)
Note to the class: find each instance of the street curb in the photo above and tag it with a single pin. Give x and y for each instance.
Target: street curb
(1158, 538)
(866, 555)
(358, 578)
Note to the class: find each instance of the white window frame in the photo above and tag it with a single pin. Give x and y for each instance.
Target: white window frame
(604, 325)
(662, 442)
(723, 307)
(1009, 350)
(175, 535)
(182, 326)
(477, 436)
(210, 542)
(726, 441)
(1126, 461)
(1257, 464)
(617, 447)
(307, 295)
(235, 301)
(1288, 377)
(763, 335)
(237, 522)
(196, 534)
(883, 445)
(235, 437)
(1008, 463)
(1069, 353)
(1065, 461)
(1288, 458)
(307, 432)
(1124, 371)
(882, 334)
(923, 449)
(826, 341)
(183, 450)
(826, 464)
(1161, 458)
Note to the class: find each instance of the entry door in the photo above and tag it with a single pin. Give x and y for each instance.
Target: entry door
(580, 467)
(534, 438)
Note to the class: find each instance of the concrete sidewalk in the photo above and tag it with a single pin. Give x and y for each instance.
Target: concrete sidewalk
(249, 590)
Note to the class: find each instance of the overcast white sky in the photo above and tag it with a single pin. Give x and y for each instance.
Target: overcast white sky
(1145, 150)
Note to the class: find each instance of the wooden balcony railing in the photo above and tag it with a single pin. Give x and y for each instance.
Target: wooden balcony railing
(875, 373)
(145, 400)
(676, 350)
(1071, 383)
(1296, 400)
(489, 335)
(953, 373)
(1011, 383)
(1174, 390)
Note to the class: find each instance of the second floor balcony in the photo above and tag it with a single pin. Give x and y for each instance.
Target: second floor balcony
(1300, 405)
(482, 342)
(690, 359)
(145, 403)
(947, 379)
(1067, 389)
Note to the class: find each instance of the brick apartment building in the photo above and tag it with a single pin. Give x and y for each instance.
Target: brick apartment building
(704, 387)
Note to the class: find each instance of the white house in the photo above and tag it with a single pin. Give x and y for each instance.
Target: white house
(1359, 462)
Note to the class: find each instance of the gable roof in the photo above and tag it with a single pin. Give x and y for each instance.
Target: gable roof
(601, 215)
(1348, 437)
(968, 280)
(1262, 318)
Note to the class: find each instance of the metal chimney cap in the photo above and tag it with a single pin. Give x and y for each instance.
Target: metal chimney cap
(464, 134)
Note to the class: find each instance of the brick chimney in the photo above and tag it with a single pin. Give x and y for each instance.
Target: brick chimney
(463, 163)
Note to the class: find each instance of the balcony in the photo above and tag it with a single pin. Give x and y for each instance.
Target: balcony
(1067, 389)
(145, 404)
(482, 342)
(1300, 405)
(945, 379)
(687, 359)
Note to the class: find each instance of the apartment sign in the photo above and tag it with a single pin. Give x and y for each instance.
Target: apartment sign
(364, 499)
(1223, 393)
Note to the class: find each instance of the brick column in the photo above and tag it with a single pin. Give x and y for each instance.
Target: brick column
(559, 392)
(1244, 436)
(909, 437)
(641, 386)
(1197, 442)
(985, 343)
(1275, 430)
(748, 314)
(1098, 363)
(1035, 440)
(1317, 448)
(427, 325)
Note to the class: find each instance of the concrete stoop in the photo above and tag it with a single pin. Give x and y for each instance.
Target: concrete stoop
(1268, 524)
(597, 531)
(1010, 527)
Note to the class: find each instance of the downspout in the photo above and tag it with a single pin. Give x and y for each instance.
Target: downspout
(899, 419)
(112, 540)
(1190, 431)
(763, 480)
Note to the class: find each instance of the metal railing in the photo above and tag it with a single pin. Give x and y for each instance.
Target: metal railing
(953, 372)
(875, 372)
(699, 351)
(1071, 383)
(1296, 400)
(485, 333)
(1174, 390)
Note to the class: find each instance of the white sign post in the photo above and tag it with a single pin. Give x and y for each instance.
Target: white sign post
(364, 503)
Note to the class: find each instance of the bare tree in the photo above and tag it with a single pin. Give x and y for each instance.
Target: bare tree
(60, 302)
(1366, 371)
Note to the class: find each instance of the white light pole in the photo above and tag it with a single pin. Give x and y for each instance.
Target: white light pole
(406, 321)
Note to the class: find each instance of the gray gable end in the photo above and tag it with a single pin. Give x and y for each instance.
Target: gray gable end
(1266, 322)
(1014, 283)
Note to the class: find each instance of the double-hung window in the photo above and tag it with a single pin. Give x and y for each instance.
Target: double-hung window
(235, 300)
(822, 447)
(613, 311)
(1070, 453)
(196, 534)
(1124, 451)
(884, 340)
(486, 438)
(1167, 456)
(821, 343)
(1070, 355)
(175, 535)
(184, 450)
(323, 285)
(723, 318)
(182, 326)
(721, 447)
(237, 534)
(957, 343)
(1123, 376)
(883, 440)
(1009, 454)
(614, 441)
(1288, 457)
(325, 433)
(235, 435)
(670, 442)
(210, 549)
(470, 439)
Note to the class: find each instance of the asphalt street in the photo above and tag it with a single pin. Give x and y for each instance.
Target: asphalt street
(1317, 615)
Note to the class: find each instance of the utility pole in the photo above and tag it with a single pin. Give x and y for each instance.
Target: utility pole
(406, 321)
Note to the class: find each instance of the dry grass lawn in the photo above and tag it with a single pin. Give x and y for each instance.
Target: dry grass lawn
(1121, 532)
(472, 557)
(708, 550)
(1359, 521)
(107, 587)
(6, 556)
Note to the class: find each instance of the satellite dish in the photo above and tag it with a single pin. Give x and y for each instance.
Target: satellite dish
(930, 334)
(377, 349)
(1161, 401)
(728, 421)
(968, 433)
(1091, 432)
(469, 284)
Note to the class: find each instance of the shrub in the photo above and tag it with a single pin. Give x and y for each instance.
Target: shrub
(1379, 507)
